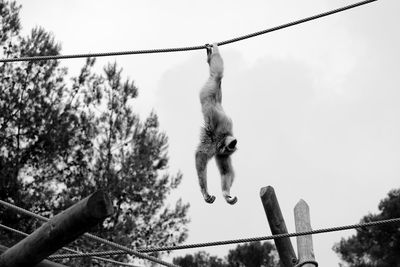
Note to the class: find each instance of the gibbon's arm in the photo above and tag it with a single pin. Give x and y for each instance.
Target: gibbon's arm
(211, 94)
(216, 63)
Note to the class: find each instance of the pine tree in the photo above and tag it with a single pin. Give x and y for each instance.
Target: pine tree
(60, 141)
(255, 254)
(375, 246)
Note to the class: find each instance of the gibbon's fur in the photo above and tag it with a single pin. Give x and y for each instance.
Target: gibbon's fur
(216, 138)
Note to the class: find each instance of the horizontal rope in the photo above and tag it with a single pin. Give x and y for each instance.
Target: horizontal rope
(235, 241)
(187, 48)
(91, 236)
(4, 227)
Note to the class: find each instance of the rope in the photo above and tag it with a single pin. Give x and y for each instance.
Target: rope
(297, 22)
(302, 263)
(244, 240)
(91, 236)
(125, 250)
(68, 249)
(188, 48)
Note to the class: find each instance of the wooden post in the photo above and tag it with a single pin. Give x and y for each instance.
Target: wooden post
(58, 231)
(277, 224)
(305, 249)
(44, 263)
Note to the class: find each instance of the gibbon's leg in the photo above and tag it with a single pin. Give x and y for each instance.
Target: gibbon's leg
(201, 167)
(224, 164)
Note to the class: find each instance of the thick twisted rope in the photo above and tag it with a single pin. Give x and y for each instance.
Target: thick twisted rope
(91, 236)
(234, 241)
(187, 48)
(125, 250)
(331, 12)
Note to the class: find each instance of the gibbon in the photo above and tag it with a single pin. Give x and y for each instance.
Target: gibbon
(216, 137)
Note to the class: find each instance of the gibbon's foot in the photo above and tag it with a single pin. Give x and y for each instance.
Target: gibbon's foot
(209, 199)
(231, 200)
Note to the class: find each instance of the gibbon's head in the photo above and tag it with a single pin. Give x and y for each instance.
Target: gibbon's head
(227, 146)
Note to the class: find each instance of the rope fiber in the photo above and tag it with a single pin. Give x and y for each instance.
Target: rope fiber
(187, 48)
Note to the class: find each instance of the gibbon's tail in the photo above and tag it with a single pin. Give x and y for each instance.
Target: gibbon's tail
(216, 63)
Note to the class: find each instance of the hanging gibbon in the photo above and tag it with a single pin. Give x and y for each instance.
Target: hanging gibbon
(216, 137)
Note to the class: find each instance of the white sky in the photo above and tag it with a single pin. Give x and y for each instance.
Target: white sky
(315, 106)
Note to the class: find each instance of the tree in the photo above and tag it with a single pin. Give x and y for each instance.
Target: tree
(255, 254)
(33, 123)
(61, 141)
(199, 259)
(376, 246)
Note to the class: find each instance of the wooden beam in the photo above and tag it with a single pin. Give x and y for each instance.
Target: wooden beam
(58, 231)
(305, 249)
(277, 224)
(44, 263)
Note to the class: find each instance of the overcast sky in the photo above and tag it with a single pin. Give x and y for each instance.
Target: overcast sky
(315, 107)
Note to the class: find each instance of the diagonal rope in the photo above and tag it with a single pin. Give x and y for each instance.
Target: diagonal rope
(74, 252)
(331, 12)
(244, 240)
(91, 236)
(188, 48)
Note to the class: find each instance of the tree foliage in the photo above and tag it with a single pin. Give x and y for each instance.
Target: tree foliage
(199, 259)
(60, 140)
(377, 246)
(255, 254)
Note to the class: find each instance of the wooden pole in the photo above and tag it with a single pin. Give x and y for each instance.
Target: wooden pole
(305, 249)
(58, 231)
(277, 224)
(44, 263)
